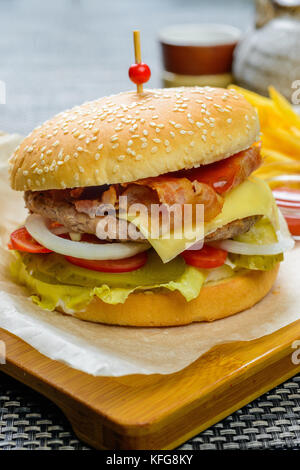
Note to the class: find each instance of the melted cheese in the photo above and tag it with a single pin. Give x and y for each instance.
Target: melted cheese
(252, 197)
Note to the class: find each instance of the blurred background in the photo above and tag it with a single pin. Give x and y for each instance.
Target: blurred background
(55, 54)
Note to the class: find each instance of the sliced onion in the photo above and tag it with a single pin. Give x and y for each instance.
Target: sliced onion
(38, 229)
(285, 243)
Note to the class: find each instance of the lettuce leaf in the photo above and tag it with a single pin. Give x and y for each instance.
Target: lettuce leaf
(50, 295)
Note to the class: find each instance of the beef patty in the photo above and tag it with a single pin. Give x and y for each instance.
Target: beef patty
(65, 213)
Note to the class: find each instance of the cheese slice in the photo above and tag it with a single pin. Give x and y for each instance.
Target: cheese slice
(252, 197)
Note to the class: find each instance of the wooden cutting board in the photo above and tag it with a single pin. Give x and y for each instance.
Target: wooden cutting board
(157, 411)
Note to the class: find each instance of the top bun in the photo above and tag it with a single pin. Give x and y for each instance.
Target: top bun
(128, 136)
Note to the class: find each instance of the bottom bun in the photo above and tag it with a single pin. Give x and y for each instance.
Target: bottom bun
(162, 308)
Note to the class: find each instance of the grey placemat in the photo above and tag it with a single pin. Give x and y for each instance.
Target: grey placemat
(30, 421)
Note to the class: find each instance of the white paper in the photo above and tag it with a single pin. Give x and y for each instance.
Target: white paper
(115, 351)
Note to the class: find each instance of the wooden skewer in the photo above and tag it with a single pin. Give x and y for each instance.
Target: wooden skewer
(137, 55)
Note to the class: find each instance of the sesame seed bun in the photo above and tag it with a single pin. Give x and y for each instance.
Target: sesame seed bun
(127, 137)
(163, 308)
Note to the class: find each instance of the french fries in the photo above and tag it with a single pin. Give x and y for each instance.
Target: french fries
(280, 133)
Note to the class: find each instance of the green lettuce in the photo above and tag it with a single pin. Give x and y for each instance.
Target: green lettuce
(49, 293)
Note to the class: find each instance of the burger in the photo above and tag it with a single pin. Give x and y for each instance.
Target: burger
(80, 254)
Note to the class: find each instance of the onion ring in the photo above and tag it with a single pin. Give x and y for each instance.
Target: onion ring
(38, 228)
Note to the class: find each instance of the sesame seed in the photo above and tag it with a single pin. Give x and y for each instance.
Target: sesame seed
(154, 149)
(97, 156)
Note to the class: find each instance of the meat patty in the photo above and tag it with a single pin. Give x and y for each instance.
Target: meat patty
(64, 212)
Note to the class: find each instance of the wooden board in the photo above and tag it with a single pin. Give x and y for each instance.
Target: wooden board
(157, 411)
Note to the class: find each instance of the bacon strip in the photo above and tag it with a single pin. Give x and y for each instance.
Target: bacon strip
(181, 191)
(97, 207)
(229, 173)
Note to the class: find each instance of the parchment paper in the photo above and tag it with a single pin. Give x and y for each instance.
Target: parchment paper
(115, 351)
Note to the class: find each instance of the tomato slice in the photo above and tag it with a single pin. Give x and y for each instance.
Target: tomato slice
(206, 258)
(226, 174)
(111, 266)
(21, 240)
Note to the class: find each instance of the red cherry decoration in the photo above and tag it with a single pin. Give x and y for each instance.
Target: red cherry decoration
(139, 73)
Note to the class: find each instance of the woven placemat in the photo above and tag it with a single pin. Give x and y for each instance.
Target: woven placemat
(30, 421)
